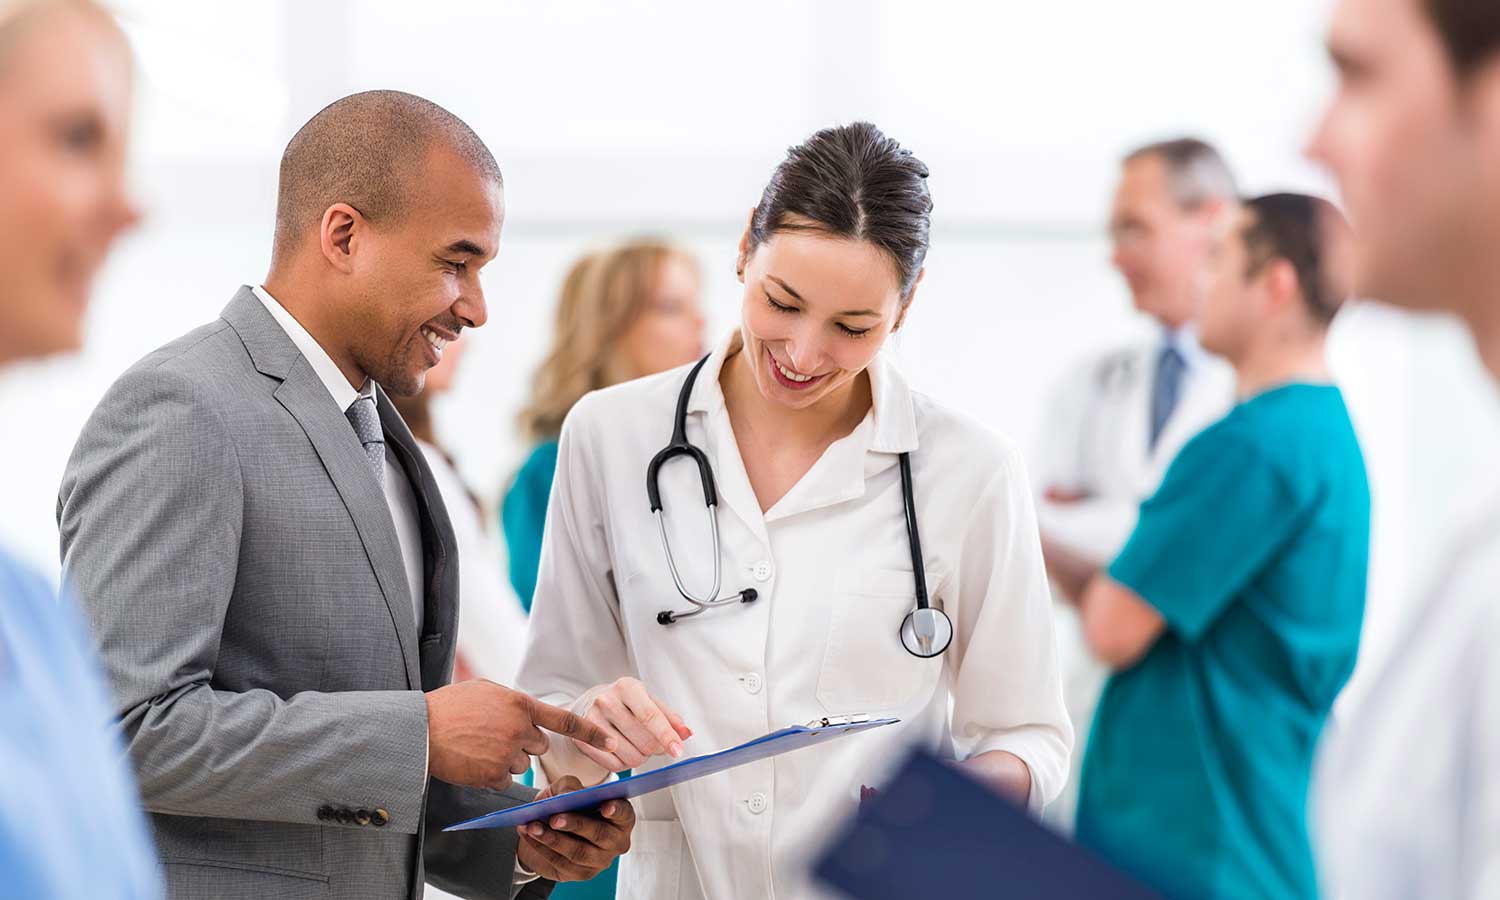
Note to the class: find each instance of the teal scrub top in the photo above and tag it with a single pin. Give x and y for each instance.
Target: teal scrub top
(523, 517)
(1254, 550)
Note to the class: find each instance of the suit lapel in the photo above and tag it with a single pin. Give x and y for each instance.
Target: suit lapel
(303, 395)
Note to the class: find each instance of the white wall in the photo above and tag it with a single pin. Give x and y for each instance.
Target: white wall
(621, 116)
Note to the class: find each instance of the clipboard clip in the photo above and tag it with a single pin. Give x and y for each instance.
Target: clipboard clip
(835, 721)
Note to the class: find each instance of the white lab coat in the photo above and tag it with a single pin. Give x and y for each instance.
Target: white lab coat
(1407, 787)
(832, 565)
(1096, 439)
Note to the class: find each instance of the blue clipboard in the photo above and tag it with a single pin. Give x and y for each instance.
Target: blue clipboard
(934, 831)
(774, 744)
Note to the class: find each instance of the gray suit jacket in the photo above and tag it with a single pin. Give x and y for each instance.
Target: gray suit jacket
(240, 567)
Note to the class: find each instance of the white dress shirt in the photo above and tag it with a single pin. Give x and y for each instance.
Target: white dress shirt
(833, 569)
(399, 496)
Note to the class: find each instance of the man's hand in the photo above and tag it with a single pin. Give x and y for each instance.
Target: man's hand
(480, 733)
(575, 846)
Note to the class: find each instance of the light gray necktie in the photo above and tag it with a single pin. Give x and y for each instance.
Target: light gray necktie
(365, 418)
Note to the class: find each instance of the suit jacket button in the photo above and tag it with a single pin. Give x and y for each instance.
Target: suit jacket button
(380, 818)
(325, 813)
(362, 817)
(345, 816)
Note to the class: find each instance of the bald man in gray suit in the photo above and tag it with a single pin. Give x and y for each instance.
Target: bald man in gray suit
(269, 567)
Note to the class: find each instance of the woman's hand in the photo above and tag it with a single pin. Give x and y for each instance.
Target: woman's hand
(641, 725)
(1004, 771)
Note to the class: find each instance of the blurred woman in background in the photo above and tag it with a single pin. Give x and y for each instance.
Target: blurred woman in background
(626, 312)
(70, 818)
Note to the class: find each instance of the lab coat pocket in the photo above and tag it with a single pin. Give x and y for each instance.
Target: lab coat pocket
(865, 668)
(653, 867)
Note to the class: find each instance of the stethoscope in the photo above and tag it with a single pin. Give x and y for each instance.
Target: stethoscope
(925, 632)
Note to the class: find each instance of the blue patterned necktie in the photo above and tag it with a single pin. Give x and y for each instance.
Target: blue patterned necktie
(1166, 388)
(365, 418)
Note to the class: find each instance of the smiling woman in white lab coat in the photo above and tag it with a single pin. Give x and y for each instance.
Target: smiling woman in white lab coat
(804, 420)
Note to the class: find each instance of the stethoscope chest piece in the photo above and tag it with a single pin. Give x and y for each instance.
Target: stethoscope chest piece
(926, 632)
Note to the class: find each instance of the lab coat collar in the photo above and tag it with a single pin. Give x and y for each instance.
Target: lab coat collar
(893, 409)
(841, 473)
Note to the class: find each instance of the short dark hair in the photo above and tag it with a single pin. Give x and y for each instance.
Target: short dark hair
(1470, 30)
(364, 150)
(1196, 170)
(1310, 234)
(853, 182)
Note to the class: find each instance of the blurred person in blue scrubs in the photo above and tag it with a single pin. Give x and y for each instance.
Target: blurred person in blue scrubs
(70, 818)
(1408, 795)
(1232, 616)
(623, 313)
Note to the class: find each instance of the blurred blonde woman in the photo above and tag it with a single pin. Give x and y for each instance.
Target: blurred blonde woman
(71, 824)
(624, 313)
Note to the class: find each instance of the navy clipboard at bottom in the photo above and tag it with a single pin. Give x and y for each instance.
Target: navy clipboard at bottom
(774, 744)
(934, 831)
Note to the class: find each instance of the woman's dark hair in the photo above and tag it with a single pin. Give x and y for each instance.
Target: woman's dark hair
(1311, 234)
(852, 182)
(1470, 30)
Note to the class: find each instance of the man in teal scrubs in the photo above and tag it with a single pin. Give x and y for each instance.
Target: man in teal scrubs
(1232, 616)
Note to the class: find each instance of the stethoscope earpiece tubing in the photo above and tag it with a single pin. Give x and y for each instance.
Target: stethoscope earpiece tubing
(680, 446)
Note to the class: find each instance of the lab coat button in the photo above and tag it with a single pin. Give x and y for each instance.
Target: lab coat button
(752, 682)
(761, 571)
(758, 803)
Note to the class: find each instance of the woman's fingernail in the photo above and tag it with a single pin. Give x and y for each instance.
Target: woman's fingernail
(536, 830)
(560, 822)
(676, 750)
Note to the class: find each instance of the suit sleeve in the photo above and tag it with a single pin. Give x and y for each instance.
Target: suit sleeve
(480, 864)
(150, 514)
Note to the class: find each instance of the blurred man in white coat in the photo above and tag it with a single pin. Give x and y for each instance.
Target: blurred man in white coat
(1119, 418)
